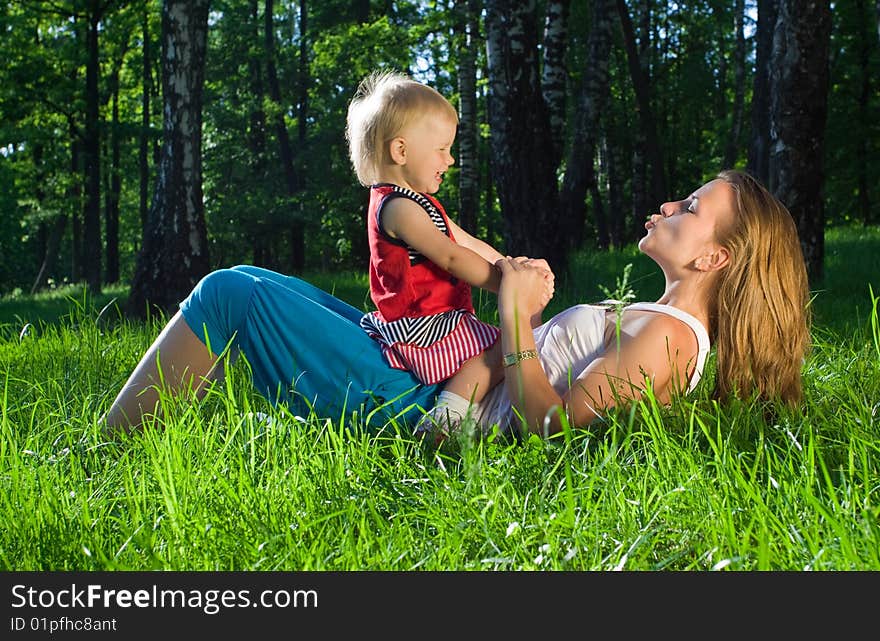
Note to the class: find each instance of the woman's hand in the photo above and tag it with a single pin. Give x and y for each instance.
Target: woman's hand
(549, 276)
(527, 285)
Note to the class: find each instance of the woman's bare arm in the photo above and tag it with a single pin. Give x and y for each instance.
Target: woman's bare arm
(659, 346)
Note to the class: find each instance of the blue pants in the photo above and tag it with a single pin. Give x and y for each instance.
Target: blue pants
(304, 346)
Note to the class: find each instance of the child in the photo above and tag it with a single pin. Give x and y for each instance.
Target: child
(422, 265)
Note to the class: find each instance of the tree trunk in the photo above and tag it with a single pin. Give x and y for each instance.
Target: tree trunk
(863, 111)
(798, 109)
(600, 218)
(144, 138)
(739, 73)
(617, 220)
(297, 237)
(111, 213)
(91, 230)
(297, 232)
(647, 121)
(579, 171)
(304, 73)
(638, 164)
(555, 74)
(53, 245)
(469, 183)
(157, 93)
(759, 148)
(257, 135)
(174, 255)
(47, 238)
(520, 127)
(76, 226)
(360, 9)
(491, 218)
(720, 43)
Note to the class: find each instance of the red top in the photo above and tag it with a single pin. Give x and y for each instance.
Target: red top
(403, 283)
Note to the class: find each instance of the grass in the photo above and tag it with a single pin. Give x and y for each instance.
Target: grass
(693, 486)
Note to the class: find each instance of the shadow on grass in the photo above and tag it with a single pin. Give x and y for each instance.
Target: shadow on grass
(61, 306)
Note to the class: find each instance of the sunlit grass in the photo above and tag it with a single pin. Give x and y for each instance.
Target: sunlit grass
(694, 486)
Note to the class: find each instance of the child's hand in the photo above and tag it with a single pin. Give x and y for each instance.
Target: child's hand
(549, 284)
(549, 276)
(525, 285)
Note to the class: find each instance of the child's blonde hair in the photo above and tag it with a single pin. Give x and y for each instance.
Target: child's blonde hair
(383, 105)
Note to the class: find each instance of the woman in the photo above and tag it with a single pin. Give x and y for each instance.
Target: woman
(735, 275)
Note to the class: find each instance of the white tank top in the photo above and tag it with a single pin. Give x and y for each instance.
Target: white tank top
(568, 343)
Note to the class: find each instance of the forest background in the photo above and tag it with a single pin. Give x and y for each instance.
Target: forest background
(577, 120)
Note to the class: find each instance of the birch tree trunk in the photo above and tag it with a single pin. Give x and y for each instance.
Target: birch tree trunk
(520, 127)
(469, 184)
(174, 255)
(555, 74)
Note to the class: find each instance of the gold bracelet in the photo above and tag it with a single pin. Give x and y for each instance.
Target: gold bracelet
(516, 357)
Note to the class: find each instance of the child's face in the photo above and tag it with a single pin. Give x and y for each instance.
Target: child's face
(427, 152)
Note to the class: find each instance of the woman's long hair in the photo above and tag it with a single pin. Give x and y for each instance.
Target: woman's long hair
(760, 311)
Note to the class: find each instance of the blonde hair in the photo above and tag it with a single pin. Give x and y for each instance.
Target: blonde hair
(383, 105)
(759, 312)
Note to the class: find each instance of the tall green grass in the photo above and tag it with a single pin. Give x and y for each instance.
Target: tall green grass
(693, 486)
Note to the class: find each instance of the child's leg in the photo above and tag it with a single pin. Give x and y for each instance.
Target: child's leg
(470, 384)
(186, 363)
(478, 375)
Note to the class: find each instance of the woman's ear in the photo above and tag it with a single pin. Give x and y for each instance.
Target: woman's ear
(713, 260)
(397, 148)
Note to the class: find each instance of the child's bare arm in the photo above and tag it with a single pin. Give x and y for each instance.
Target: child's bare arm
(407, 221)
(476, 245)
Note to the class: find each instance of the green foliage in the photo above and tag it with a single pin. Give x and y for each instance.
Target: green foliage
(13, 252)
(853, 146)
(342, 57)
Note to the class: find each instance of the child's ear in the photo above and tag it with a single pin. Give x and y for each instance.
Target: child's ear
(397, 148)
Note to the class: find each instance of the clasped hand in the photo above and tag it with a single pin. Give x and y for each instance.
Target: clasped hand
(527, 285)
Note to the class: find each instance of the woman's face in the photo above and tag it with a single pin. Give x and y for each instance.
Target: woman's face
(683, 234)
